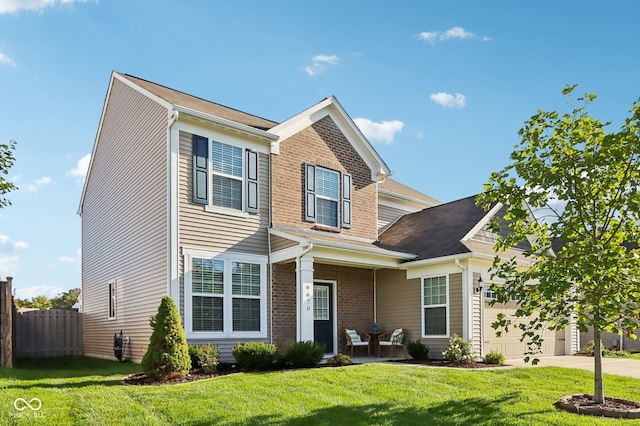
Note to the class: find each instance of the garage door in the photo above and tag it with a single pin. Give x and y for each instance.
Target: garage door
(509, 343)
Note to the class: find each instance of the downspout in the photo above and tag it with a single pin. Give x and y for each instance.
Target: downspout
(269, 259)
(375, 296)
(172, 213)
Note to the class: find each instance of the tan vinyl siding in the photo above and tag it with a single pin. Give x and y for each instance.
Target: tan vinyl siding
(610, 340)
(399, 305)
(124, 223)
(398, 302)
(215, 231)
(387, 216)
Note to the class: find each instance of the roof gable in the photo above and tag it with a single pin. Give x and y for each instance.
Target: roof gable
(332, 108)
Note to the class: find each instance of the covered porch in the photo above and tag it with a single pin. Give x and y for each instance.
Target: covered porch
(322, 284)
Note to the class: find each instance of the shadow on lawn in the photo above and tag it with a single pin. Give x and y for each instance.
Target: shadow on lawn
(454, 412)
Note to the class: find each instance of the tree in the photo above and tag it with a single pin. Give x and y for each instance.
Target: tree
(63, 300)
(583, 184)
(6, 161)
(168, 353)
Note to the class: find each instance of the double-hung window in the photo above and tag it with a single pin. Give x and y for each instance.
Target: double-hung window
(225, 294)
(435, 306)
(225, 176)
(327, 197)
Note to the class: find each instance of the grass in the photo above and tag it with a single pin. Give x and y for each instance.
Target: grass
(87, 391)
(635, 355)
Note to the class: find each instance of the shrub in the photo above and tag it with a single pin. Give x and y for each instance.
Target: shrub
(168, 353)
(494, 357)
(459, 351)
(339, 360)
(255, 356)
(304, 354)
(588, 350)
(204, 357)
(418, 350)
(615, 353)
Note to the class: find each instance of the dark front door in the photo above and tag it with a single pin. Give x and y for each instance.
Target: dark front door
(323, 315)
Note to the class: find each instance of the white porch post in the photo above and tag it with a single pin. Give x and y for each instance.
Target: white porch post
(305, 301)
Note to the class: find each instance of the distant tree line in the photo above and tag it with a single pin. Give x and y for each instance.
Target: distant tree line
(63, 300)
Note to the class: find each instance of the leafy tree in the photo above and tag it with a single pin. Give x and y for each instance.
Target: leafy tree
(6, 161)
(63, 300)
(585, 184)
(168, 353)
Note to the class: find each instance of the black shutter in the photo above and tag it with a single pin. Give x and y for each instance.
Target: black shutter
(252, 182)
(346, 200)
(200, 170)
(310, 192)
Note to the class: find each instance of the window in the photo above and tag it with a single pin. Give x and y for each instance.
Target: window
(224, 294)
(435, 306)
(490, 294)
(112, 300)
(327, 196)
(230, 171)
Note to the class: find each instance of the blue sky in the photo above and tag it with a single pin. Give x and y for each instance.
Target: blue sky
(439, 88)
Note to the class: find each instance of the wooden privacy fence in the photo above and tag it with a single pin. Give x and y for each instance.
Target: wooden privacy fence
(52, 332)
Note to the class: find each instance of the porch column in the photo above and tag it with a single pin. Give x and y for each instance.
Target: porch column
(305, 298)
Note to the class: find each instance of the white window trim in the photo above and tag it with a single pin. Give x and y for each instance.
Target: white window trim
(112, 287)
(212, 208)
(324, 197)
(227, 257)
(446, 306)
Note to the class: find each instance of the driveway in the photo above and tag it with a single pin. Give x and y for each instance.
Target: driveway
(619, 366)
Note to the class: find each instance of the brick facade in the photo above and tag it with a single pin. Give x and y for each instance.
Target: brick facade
(323, 144)
(354, 300)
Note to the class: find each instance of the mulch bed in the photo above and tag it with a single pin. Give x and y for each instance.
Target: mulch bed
(141, 379)
(611, 407)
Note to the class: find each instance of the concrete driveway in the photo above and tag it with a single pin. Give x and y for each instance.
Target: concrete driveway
(620, 366)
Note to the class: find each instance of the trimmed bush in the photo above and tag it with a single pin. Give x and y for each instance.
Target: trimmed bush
(459, 351)
(204, 357)
(304, 354)
(339, 360)
(589, 349)
(255, 356)
(494, 357)
(418, 350)
(167, 355)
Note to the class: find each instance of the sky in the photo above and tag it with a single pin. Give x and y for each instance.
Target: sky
(439, 88)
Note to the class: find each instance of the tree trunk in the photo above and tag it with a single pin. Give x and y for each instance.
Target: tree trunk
(598, 383)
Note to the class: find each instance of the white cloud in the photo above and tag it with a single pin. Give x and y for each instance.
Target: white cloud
(66, 259)
(452, 33)
(9, 250)
(80, 170)
(333, 59)
(10, 6)
(379, 132)
(6, 243)
(5, 60)
(447, 100)
(39, 183)
(38, 290)
(320, 62)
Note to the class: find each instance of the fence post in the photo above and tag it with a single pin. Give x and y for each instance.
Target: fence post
(6, 323)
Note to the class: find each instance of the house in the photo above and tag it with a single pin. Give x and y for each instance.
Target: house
(267, 231)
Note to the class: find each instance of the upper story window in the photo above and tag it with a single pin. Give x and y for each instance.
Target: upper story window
(224, 176)
(327, 196)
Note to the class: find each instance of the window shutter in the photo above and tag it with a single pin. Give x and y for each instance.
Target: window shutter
(310, 192)
(252, 182)
(200, 170)
(346, 200)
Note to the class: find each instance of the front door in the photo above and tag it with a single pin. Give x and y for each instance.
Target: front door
(323, 315)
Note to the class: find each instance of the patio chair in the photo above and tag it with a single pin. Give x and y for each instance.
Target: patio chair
(357, 338)
(394, 339)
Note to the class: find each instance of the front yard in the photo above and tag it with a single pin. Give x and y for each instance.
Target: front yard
(87, 391)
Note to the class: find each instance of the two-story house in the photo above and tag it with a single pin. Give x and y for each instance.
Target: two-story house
(274, 232)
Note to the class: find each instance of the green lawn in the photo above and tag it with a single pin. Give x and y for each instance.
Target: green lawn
(635, 355)
(87, 391)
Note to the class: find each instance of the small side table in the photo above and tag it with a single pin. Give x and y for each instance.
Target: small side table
(374, 340)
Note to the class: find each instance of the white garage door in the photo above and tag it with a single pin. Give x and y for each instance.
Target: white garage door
(509, 343)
